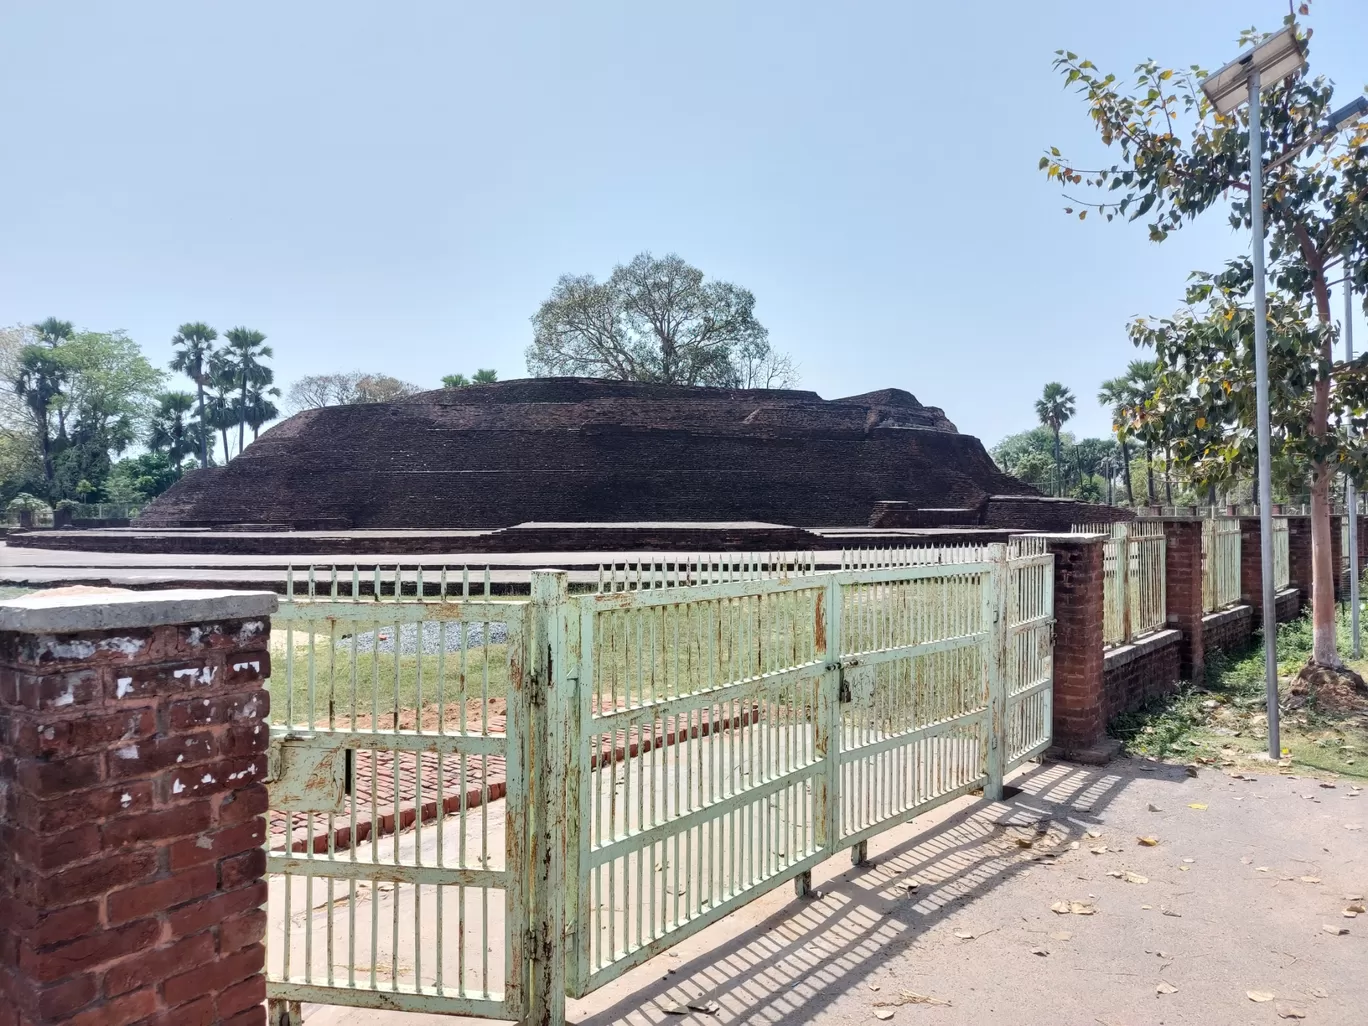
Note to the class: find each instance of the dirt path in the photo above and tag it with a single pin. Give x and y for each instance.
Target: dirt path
(1274, 860)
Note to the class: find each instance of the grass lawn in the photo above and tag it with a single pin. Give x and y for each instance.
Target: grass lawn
(1225, 722)
(374, 681)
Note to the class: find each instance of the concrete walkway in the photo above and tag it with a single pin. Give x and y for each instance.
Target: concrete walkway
(1237, 897)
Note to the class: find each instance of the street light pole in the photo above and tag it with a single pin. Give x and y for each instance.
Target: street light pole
(1270, 602)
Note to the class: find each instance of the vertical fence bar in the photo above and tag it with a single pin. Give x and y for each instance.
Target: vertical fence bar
(995, 617)
(546, 812)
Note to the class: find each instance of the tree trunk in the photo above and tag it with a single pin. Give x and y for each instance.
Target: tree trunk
(1125, 463)
(242, 413)
(1168, 478)
(227, 454)
(1324, 647)
(1149, 472)
(1056, 458)
(1324, 644)
(204, 440)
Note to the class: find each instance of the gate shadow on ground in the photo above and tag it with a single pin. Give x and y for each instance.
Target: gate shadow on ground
(799, 959)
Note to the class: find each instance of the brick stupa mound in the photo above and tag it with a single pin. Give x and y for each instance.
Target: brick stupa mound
(587, 451)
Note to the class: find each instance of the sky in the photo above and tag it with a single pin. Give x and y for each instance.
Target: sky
(397, 187)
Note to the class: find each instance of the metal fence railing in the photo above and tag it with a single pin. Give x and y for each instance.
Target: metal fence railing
(1220, 563)
(1134, 580)
(1282, 555)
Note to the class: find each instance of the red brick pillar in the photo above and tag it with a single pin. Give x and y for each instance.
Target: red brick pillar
(1251, 567)
(1183, 595)
(132, 745)
(1299, 556)
(1080, 717)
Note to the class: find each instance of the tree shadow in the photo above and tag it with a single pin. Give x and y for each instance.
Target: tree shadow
(799, 959)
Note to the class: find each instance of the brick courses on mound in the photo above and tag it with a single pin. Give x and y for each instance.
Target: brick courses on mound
(580, 450)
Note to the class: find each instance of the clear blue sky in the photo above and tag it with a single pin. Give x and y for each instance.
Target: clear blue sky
(396, 187)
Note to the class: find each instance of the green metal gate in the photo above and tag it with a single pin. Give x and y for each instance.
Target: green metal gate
(667, 750)
(399, 878)
(723, 738)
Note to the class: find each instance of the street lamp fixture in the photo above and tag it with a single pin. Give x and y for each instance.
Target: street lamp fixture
(1275, 58)
(1241, 81)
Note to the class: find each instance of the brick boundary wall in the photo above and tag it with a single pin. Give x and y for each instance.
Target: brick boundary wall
(1080, 718)
(1136, 674)
(132, 872)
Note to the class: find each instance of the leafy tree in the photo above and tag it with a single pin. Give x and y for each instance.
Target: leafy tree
(139, 478)
(481, 377)
(1055, 406)
(316, 391)
(1142, 378)
(652, 320)
(1180, 158)
(194, 341)
(247, 350)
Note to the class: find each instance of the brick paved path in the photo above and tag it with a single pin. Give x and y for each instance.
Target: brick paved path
(467, 782)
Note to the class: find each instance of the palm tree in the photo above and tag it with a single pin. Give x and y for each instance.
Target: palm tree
(247, 351)
(169, 432)
(194, 342)
(1142, 380)
(52, 333)
(485, 377)
(38, 382)
(221, 381)
(1115, 394)
(259, 409)
(1054, 408)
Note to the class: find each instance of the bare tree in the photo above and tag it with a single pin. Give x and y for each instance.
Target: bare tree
(315, 391)
(652, 320)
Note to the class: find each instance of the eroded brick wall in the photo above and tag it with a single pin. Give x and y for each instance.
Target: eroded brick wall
(1080, 717)
(132, 824)
(1135, 675)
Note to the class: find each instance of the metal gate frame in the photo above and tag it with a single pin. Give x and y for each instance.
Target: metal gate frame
(1005, 627)
(309, 772)
(841, 724)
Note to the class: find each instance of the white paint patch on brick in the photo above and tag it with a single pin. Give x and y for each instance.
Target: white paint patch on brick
(66, 649)
(254, 665)
(203, 842)
(249, 630)
(128, 647)
(127, 752)
(197, 674)
(207, 779)
(125, 800)
(177, 787)
(66, 697)
(123, 686)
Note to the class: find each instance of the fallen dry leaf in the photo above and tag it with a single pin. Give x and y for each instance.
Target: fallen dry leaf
(707, 1007)
(1336, 931)
(1260, 995)
(964, 935)
(1358, 908)
(1135, 878)
(1148, 842)
(883, 1013)
(1197, 805)
(1061, 935)
(1309, 879)
(1319, 992)
(1246, 860)
(1093, 832)
(1077, 908)
(1154, 808)
(1287, 1010)
(1024, 842)
(1039, 951)
(1165, 988)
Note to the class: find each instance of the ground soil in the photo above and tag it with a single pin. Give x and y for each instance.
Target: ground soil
(952, 923)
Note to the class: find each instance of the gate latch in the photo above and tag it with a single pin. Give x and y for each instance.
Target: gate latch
(304, 777)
